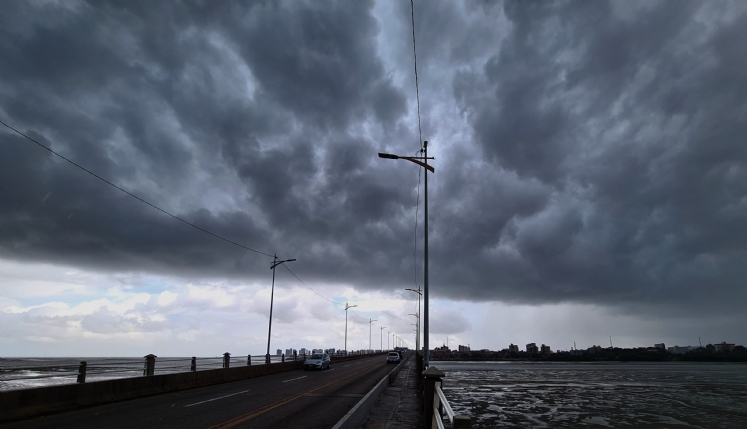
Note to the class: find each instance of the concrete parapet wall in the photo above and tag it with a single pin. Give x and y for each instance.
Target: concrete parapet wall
(25, 403)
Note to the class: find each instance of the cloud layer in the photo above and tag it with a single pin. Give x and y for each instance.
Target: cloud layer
(586, 152)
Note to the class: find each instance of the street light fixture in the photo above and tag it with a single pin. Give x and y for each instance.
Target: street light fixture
(369, 332)
(424, 164)
(381, 338)
(346, 325)
(275, 263)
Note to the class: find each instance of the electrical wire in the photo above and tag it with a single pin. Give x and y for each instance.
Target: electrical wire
(135, 196)
(415, 56)
(309, 287)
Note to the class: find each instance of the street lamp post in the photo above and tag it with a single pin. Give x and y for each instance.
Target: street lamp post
(381, 338)
(417, 328)
(275, 263)
(424, 164)
(369, 333)
(346, 325)
(387, 340)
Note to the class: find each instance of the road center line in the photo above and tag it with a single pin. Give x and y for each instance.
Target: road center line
(215, 399)
(298, 378)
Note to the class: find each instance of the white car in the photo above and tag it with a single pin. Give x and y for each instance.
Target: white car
(316, 361)
(393, 357)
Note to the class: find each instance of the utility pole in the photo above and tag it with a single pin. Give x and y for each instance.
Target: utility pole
(381, 338)
(369, 332)
(426, 330)
(275, 263)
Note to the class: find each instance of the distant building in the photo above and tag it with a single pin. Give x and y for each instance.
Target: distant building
(680, 350)
(593, 350)
(302, 351)
(660, 346)
(443, 348)
(513, 348)
(576, 352)
(329, 351)
(723, 347)
(464, 348)
(545, 350)
(279, 352)
(532, 348)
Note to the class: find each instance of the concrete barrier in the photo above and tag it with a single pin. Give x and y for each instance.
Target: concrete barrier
(26, 403)
(358, 413)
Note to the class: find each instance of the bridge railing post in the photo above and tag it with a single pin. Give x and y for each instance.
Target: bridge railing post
(431, 376)
(82, 372)
(193, 366)
(226, 360)
(150, 364)
(249, 360)
(295, 355)
(267, 358)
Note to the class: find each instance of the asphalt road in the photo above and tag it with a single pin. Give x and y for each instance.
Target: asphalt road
(312, 399)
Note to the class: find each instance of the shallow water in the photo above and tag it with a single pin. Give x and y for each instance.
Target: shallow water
(604, 394)
(65, 370)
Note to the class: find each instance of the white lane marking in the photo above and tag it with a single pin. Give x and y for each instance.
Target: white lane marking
(346, 365)
(215, 399)
(298, 378)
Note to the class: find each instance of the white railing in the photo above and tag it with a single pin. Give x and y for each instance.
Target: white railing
(437, 405)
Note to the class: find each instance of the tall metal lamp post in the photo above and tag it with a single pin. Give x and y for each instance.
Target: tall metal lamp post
(387, 340)
(424, 164)
(370, 321)
(275, 263)
(347, 307)
(381, 338)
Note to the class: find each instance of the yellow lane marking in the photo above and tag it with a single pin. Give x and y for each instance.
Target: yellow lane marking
(241, 419)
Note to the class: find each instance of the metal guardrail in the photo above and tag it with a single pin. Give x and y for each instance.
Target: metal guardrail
(102, 368)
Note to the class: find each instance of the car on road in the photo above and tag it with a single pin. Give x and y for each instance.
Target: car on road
(316, 361)
(393, 357)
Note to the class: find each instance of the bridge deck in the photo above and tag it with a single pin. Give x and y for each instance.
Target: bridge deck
(309, 399)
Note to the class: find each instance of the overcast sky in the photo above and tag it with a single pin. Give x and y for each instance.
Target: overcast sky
(591, 174)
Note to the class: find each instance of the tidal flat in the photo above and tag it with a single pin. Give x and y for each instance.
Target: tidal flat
(604, 394)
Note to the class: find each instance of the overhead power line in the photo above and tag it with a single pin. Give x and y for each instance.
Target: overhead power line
(415, 56)
(309, 287)
(136, 197)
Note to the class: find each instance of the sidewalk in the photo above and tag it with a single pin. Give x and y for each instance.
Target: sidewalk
(401, 405)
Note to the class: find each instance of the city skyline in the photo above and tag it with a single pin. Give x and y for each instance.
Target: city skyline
(589, 156)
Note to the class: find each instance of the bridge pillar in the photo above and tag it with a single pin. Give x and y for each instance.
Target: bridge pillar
(226, 360)
(150, 364)
(430, 377)
(82, 372)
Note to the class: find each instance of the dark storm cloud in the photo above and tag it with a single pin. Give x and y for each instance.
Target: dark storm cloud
(599, 157)
(634, 121)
